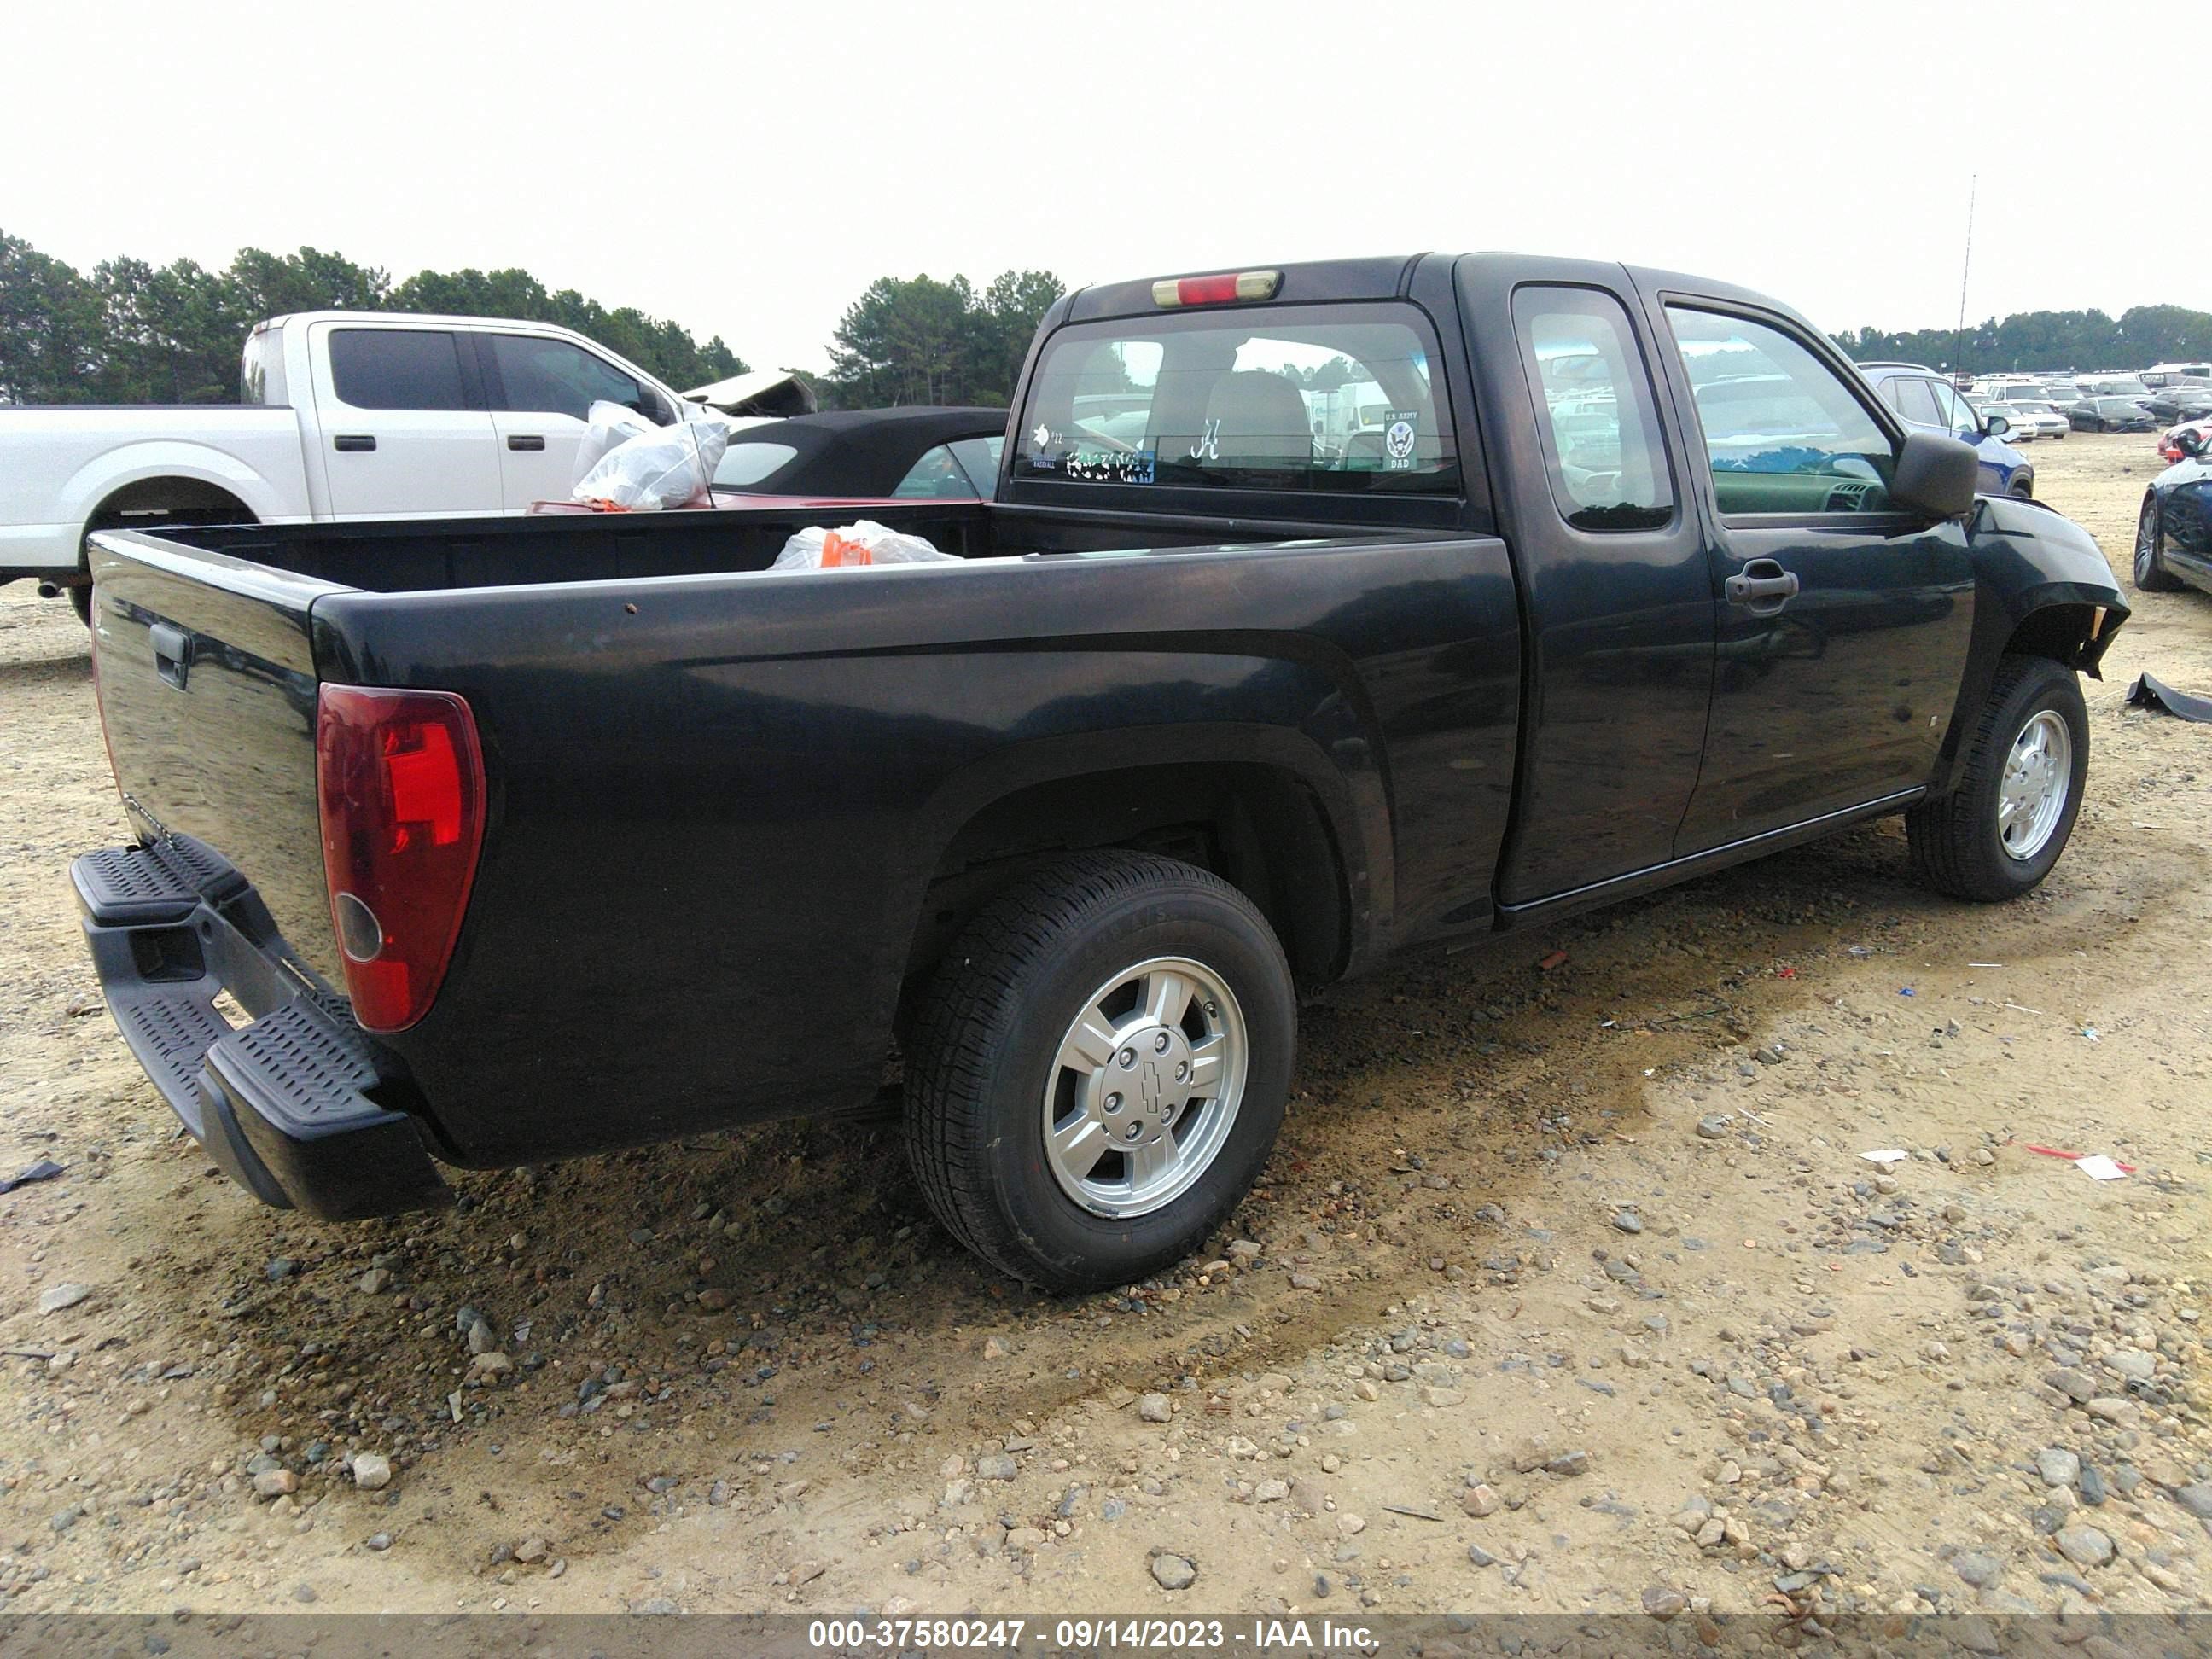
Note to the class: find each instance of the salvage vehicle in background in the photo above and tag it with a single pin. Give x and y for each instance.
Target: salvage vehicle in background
(2179, 401)
(1926, 402)
(2173, 530)
(849, 458)
(523, 838)
(901, 454)
(2031, 417)
(342, 415)
(2109, 414)
(2170, 447)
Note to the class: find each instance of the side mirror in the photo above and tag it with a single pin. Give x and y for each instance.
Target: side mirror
(2190, 444)
(1935, 476)
(1995, 425)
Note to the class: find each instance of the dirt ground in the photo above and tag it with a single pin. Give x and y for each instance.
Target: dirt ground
(1566, 1289)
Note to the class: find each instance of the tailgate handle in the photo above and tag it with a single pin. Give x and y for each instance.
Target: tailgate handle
(525, 441)
(349, 443)
(173, 653)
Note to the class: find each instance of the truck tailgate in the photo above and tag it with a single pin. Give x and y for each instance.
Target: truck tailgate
(208, 694)
(206, 677)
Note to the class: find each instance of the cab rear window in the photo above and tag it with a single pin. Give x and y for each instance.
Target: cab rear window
(1338, 398)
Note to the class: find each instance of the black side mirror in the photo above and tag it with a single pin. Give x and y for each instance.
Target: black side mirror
(2190, 444)
(1935, 476)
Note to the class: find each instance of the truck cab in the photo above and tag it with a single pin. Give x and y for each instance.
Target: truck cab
(431, 416)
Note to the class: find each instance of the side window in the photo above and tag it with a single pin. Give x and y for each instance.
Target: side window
(1915, 401)
(1784, 432)
(1601, 433)
(541, 376)
(935, 476)
(745, 465)
(1959, 414)
(396, 369)
(979, 459)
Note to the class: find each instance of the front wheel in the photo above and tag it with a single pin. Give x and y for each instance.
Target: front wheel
(1999, 832)
(2151, 574)
(1099, 1070)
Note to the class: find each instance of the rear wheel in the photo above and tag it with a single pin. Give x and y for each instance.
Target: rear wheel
(2151, 574)
(1998, 833)
(80, 599)
(2022, 487)
(1099, 1071)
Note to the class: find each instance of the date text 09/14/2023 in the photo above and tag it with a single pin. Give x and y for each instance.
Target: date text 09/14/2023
(1090, 1635)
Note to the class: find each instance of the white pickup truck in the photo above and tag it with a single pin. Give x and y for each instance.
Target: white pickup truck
(344, 414)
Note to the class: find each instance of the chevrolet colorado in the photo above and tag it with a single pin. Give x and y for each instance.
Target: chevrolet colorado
(1322, 612)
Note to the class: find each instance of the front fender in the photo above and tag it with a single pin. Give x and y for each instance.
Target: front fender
(2041, 584)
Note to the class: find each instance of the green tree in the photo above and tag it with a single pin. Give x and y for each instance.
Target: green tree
(917, 340)
(132, 332)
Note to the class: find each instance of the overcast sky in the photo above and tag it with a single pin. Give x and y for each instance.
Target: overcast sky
(747, 169)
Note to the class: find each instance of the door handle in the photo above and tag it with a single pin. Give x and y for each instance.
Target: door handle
(525, 441)
(1762, 579)
(173, 653)
(349, 443)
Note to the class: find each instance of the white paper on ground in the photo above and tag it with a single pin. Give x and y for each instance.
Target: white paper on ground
(1887, 1154)
(2097, 1167)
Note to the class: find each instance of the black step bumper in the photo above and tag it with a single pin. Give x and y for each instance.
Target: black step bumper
(284, 1105)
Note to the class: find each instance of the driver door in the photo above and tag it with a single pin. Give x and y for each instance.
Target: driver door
(1841, 621)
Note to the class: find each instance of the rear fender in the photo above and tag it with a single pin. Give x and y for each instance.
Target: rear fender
(117, 469)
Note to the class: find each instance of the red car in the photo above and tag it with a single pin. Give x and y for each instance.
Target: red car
(854, 458)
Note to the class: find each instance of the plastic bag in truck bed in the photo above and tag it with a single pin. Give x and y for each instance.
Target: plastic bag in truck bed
(863, 542)
(663, 466)
(606, 425)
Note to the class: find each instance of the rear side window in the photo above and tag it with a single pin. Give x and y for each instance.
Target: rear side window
(745, 465)
(1601, 439)
(1915, 401)
(539, 376)
(1784, 432)
(261, 368)
(1340, 398)
(396, 369)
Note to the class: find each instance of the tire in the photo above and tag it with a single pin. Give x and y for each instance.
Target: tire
(2022, 487)
(987, 1069)
(1966, 844)
(2151, 574)
(80, 599)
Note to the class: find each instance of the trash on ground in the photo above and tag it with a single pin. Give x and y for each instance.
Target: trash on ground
(44, 1170)
(1906, 991)
(2148, 692)
(1886, 1156)
(1557, 959)
(2095, 1163)
(864, 542)
(1986, 965)
(1785, 972)
(2092, 1034)
(662, 467)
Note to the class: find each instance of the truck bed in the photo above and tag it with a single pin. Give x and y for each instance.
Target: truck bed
(720, 800)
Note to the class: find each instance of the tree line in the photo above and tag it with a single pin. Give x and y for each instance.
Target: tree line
(129, 331)
(2079, 340)
(132, 332)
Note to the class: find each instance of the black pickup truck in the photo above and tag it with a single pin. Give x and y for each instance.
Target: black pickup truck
(1321, 613)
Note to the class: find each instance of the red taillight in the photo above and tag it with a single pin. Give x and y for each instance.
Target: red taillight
(400, 778)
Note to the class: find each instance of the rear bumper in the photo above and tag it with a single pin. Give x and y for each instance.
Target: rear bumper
(285, 1106)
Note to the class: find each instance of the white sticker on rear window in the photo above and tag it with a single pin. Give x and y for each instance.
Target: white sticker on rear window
(1398, 440)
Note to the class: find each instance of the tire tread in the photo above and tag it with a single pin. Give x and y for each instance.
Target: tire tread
(965, 1013)
(1949, 849)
